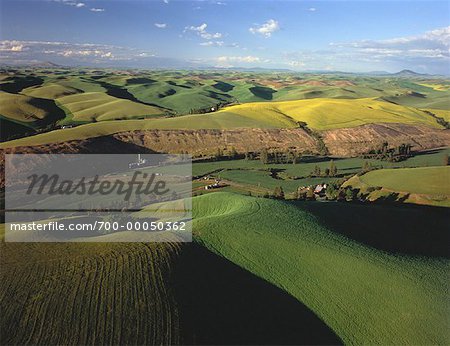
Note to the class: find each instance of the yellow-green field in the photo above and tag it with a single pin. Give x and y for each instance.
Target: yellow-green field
(319, 114)
(442, 113)
(325, 114)
(421, 185)
(423, 180)
(439, 87)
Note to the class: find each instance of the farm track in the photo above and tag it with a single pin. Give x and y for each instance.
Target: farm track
(109, 294)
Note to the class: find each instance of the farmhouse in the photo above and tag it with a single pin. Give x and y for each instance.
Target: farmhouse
(320, 189)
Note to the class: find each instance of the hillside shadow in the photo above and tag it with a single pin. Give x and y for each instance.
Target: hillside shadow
(223, 304)
(18, 83)
(405, 229)
(262, 92)
(122, 93)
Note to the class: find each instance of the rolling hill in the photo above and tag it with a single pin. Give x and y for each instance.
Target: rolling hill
(365, 295)
(420, 185)
(97, 106)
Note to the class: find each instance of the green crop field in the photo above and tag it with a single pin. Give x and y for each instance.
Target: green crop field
(100, 106)
(365, 295)
(107, 293)
(365, 289)
(423, 180)
(254, 174)
(25, 109)
(421, 185)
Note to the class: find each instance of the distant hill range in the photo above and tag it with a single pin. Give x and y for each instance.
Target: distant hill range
(408, 73)
(175, 64)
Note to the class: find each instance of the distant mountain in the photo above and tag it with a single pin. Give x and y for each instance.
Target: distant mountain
(407, 73)
(378, 73)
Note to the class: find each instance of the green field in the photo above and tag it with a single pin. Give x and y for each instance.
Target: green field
(94, 293)
(257, 178)
(321, 101)
(421, 185)
(368, 291)
(100, 106)
(365, 295)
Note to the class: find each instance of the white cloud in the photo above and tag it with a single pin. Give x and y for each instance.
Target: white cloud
(166, 1)
(81, 52)
(86, 53)
(161, 25)
(212, 43)
(296, 63)
(266, 29)
(18, 48)
(12, 46)
(208, 36)
(201, 31)
(246, 59)
(312, 9)
(200, 28)
(431, 44)
(428, 52)
(221, 3)
(97, 9)
(71, 3)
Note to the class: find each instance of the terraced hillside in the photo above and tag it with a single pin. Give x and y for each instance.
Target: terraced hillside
(365, 295)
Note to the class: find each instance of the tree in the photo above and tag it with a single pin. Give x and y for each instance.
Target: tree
(316, 171)
(233, 153)
(219, 153)
(367, 167)
(278, 193)
(321, 147)
(264, 157)
(446, 160)
(327, 172)
(310, 194)
(349, 194)
(331, 192)
(333, 169)
(301, 194)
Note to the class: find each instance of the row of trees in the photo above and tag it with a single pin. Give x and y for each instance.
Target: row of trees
(332, 171)
(391, 154)
(288, 156)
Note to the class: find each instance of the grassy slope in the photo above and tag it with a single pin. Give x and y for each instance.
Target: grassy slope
(423, 180)
(51, 91)
(324, 114)
(95, 293)
(445, 114)
(24, 108)
(366, 296)
(101, 106)
(347, 166)
(319, 114)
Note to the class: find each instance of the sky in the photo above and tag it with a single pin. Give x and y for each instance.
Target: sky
(351, 36)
